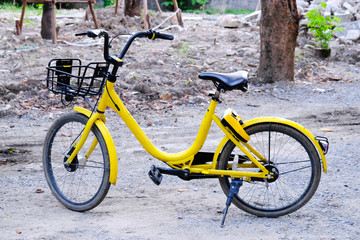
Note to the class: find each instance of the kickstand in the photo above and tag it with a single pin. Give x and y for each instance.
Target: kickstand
(234, 189)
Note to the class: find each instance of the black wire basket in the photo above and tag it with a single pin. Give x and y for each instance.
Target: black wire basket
(69, 77)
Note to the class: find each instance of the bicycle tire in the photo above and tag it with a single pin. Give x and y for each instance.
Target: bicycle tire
(84, 184)
(294, 157)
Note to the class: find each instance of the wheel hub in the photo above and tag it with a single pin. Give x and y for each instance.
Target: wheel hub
(74, 164)
(272, 169)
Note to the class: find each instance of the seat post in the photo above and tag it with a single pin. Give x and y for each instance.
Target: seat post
(216, 96)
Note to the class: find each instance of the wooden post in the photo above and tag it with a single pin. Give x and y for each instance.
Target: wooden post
(86, 17)
(258, 5)
(53, 17)
(91, 6)
(50, 20)
(146, 16)
(158, 6)
(19, 24)
(116, 6)
(119, 4)
(178, 14)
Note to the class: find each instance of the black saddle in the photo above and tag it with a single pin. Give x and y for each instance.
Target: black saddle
(228, 81)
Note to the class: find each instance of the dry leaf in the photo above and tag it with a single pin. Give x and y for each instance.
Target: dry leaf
(326, 130)
(65, 134)
(39, 190)
(183, 190)
(335, 78)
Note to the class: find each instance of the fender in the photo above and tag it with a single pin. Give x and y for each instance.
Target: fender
(109, 143)
(293, 125)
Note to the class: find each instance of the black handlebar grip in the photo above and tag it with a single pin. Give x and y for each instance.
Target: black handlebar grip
(80, 34)
(165, 36)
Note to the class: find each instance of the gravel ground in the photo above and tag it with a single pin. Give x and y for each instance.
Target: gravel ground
(324, 98)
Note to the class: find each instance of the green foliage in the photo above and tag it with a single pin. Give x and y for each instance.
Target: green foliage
(240, 11)
(109, 2)
(10, 7)
(323, 27)
(200, 2)
(212, 11)
(184, 5)
(183, 49)
(28, 22)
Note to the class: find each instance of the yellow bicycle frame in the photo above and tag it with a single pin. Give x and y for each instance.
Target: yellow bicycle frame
(185, 158)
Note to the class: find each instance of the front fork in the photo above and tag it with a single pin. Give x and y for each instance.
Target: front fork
(83, 138)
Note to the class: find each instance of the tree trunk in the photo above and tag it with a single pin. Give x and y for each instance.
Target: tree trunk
(278, 32)
(132, 8)
(48, 21)
(178, 14)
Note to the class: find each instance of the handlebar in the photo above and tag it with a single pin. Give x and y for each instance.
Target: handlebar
(116, 60)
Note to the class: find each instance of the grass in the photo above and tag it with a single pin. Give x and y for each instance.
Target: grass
(240, 11)
(9, 7)
(36, 9)
(213, 11)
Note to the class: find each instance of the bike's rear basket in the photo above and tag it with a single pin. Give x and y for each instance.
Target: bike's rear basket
(69, 77)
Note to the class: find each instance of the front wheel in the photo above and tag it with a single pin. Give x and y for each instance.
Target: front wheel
(290, 154)
(84, 183)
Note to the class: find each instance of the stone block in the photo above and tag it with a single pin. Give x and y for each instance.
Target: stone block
(253, 16)
(350, 33)
(302, 3)
(353, 35)
(229, 21)
(344, 16)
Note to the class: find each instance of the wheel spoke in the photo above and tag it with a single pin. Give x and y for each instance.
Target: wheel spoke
(296, 166)
(84, 183)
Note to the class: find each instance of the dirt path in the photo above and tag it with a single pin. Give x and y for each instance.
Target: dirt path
(136, 208)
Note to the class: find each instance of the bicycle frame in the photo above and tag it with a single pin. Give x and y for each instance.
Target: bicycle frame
(112, 100)
(182, 160)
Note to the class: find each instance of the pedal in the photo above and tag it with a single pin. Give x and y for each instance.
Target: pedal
(155, 175)
(236, 183)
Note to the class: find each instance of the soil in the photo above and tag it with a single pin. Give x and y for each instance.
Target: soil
(159, 85)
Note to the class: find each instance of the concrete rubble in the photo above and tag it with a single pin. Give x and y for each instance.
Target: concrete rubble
(347, 10)
(229, 21)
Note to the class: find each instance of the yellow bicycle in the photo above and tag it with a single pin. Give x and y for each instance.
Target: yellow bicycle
(266, 166)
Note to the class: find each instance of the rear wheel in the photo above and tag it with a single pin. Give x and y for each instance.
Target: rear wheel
(83, 184)
(290, 155)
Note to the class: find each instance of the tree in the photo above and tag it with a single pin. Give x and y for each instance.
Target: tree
(132, 8)
(279, 26)
(48, 23)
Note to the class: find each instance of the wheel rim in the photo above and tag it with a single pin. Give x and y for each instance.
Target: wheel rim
(80, 182)
(291, 188)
